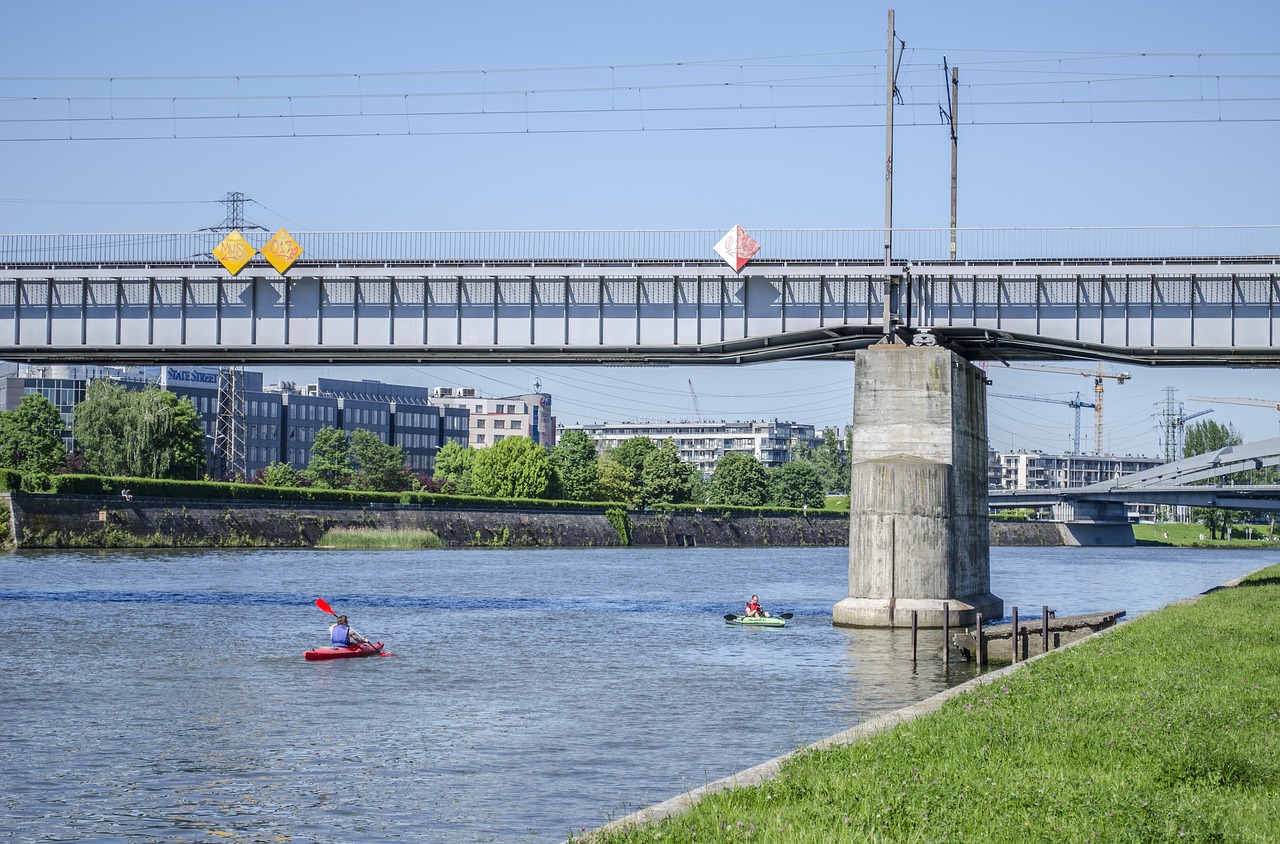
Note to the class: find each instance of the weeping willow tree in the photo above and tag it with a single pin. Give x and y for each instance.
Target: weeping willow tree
(142, 434)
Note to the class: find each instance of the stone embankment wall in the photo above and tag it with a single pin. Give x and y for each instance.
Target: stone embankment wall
(41, 521)
(98, 521)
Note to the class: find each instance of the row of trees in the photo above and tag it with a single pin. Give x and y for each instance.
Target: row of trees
(152, 433)
(638, 472)
(146, 434)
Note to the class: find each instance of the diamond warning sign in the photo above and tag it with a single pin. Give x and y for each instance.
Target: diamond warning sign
(281, 250)
(234, 252)
(737, 247)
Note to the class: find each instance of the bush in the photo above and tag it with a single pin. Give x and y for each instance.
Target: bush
(10, 480)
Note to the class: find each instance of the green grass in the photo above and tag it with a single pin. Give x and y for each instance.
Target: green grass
(1188, 534)
(373, 538)
(1164, 729)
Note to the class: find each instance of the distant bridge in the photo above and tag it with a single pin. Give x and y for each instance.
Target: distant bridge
(1184, 297)
(1184, 483)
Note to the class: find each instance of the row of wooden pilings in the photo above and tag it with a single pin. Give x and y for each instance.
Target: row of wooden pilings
(1016, 634)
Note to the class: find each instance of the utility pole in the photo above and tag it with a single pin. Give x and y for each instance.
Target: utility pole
(893, 285)
(890, 92)
(953, 104)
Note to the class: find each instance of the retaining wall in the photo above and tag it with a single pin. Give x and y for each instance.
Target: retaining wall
(39, 521)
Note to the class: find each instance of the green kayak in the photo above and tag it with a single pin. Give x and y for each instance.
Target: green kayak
(756, 621)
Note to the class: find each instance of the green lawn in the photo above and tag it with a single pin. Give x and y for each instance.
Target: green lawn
(1165, 729)
(1189, 534)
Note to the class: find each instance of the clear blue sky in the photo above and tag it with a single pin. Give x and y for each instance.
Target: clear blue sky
(661, 115)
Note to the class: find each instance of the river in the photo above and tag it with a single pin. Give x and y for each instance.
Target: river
(160, 696)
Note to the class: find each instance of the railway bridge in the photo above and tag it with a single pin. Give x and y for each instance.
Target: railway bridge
(915, 323)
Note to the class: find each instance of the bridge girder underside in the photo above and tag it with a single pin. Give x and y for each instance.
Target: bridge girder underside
(1153, 313)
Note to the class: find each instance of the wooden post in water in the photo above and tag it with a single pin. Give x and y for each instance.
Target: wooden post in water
(1013, 635)
(914, 622)
(1044, 628)
(946, 631)
(982, 644)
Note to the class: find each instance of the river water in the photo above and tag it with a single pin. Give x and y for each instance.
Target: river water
(162, 696)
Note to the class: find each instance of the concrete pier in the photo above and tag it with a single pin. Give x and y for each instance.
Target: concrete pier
(918, 531)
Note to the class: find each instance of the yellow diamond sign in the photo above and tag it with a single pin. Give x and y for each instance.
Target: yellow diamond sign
(282, 250)
(234, 252)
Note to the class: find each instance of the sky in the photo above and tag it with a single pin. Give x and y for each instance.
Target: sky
(406, 116)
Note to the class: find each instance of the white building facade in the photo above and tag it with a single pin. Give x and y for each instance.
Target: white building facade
(1037, 470)
(702, 444)
(495, 419)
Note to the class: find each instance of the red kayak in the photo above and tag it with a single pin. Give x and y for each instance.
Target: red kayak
(343, 653)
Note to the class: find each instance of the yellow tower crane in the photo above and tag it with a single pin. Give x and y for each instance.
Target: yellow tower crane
(1251, 402)
(1098, 376)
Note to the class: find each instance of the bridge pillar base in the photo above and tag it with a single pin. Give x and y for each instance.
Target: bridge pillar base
(918, 527)
(896, 612)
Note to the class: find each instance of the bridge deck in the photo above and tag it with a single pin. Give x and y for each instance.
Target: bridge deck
(154, 298)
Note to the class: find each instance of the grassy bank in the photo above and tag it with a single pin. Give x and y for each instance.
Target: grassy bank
(375, 538)
(1165, 729)
(1197, 536)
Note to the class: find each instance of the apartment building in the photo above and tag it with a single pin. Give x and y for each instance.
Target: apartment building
(702, 444)
(494, 419)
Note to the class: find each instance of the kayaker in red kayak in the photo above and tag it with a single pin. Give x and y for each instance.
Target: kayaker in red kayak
(342, 636)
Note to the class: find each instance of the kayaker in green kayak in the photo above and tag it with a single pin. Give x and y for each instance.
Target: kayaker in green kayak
(754, 610)
(342, 636)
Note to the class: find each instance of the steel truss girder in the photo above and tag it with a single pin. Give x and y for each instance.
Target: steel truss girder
(1155, 312)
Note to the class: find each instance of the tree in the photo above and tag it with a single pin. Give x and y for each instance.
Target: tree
(378, 465)
(330, 465)
(147, 434)
(99, 427)
(665, 478)
(514, 467)
(577, 467)
(796, 484)
(1207, 435)
(31, 437)
(453, 467)
(831, 462)
(166, 440)
(739, 480)
(632, 453)
(617, 482)
(624, 468)
(279, 475)
(1202, 438)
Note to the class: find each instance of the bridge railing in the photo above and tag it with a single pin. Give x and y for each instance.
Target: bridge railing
(657, 246)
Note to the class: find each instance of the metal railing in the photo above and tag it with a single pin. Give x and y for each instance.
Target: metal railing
(656, 246)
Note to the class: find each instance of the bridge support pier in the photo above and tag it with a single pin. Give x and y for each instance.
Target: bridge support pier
(918, 534)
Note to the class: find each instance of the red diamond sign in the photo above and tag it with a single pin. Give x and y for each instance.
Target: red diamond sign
(737, 247)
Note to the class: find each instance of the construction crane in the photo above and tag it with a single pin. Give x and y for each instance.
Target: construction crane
(1098, 376)
(697, 410)
(1075, 403)
(1250, 402)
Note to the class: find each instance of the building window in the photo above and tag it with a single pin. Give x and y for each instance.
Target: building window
(499, 423)
(516, 424)
(479, 438)
(479, 423)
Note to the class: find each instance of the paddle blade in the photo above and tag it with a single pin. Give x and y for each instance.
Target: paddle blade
(729, 616)
(787, 615)
(324, 606)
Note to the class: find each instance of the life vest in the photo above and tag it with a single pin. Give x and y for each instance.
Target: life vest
(340, 635)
